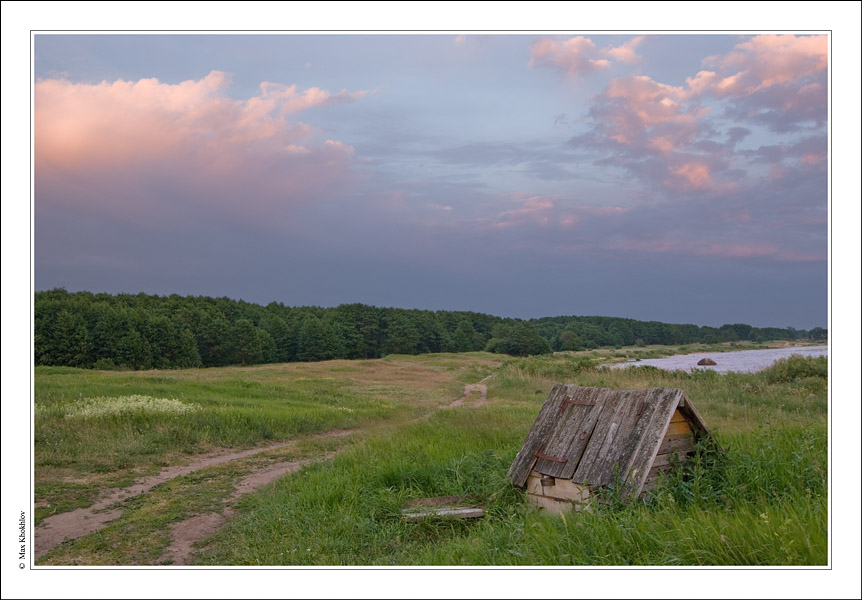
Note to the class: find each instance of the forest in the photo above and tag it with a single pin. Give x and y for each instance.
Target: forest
(141, 331)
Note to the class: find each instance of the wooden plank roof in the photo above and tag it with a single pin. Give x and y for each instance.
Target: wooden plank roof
(592, 435)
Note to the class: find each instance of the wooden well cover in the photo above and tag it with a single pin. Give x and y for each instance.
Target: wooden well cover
(591, 435)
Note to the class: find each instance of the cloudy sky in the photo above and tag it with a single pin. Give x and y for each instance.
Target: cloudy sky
(680, 178)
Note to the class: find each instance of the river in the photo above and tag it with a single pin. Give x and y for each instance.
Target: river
(741, 361)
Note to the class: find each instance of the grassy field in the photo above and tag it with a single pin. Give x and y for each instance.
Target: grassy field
(763, 502)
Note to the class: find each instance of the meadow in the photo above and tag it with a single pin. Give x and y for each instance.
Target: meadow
(762, 501)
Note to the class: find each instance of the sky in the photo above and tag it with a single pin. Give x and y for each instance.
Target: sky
(679, 177)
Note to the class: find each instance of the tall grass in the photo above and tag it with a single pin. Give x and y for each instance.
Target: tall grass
(118, 434)
(762, 501)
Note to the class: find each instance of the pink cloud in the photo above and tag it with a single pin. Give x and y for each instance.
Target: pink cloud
(662, 135)
(655, 131)
(625, 53)
(767, 60)
(553, 212)
(690, 175)
(814, 159)
(574, 56)
(537, 209)
(652, 102)
(779, 80)
(79, 124)
(146, 149)
(580, 55)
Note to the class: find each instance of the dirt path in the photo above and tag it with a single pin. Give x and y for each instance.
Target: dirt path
(82, 521)
(184, 534)
(474, 387)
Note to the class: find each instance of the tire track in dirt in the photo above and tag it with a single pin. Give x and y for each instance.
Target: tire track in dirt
(474, 387)
(184, 534)
(77, 523)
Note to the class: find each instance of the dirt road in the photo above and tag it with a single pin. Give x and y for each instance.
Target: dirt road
(82, 521)
(77, 523)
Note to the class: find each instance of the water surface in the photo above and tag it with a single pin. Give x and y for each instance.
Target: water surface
(741, 361)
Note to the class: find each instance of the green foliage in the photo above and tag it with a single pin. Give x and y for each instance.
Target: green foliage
(520, 339)
(317, 340)
(142, 332)
(402, 337)
(795, 368)
(465, 338)
(762, 502)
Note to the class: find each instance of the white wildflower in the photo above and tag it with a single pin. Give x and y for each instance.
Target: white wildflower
(102, 406)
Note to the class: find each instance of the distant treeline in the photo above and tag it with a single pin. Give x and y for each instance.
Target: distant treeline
(141, 331)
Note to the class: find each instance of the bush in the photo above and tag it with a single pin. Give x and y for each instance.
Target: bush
(105, 364)
(795, 367)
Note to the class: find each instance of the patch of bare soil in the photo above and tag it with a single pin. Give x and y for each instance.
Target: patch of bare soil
(473, 387)
(184, 534)
(82, 521)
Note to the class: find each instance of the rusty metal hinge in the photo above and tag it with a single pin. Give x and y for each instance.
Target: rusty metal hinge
(566, 401)
(551, 458)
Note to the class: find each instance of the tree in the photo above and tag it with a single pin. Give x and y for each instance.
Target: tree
(569, 340)
(111, 327)
(247, 343)
(401, 336)
(162, 337)
(521, 339)
(187, 351)
(818, 334)
(465, 339)
(133, 350)
(213, 337)
(71, 340)
(317, 340)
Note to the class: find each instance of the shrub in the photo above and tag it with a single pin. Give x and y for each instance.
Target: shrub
(105, 364)
(795, 367)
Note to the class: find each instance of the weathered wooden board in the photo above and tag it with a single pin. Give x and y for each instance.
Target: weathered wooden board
(661, 464)
(666, 402)
(420, 513)
(615, 438)
(587, 436)
(678, 443)
(696, 421)
(545, 421)
(679, 428)
(613, 406)
(575, 423)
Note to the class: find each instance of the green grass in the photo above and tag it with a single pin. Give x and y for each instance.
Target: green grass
(229, 413)
(764, 504)
(763, 501)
